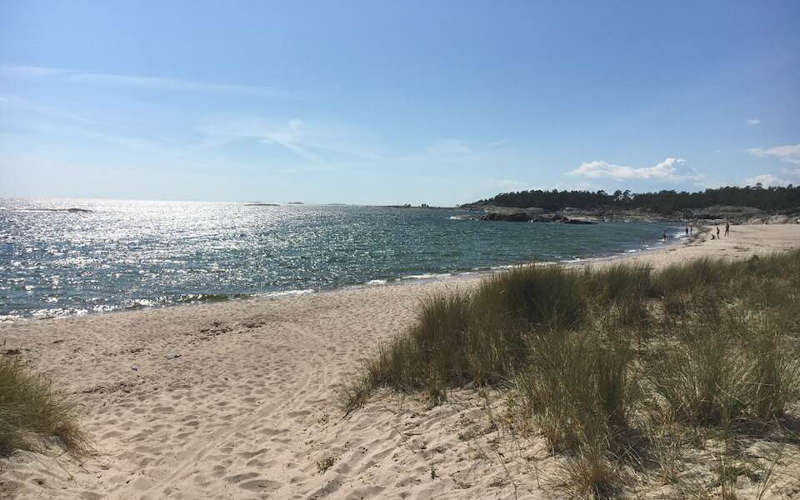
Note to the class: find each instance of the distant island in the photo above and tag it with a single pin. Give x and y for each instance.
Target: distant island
(409, 205)
(750, 204)
(72, 210)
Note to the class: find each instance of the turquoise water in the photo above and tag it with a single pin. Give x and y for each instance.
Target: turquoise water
(129, 254)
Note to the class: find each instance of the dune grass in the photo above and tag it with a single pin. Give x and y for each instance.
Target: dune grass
(591, 358)
(33, 415)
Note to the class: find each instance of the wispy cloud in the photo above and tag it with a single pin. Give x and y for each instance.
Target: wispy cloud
(30, 109)
(311, 142)
(30, 71)
(449, 147)
(499, 143)
(507, 185)
(789, 153)
(753, 122)
(137, 81)
(291, 138)
(671, 169)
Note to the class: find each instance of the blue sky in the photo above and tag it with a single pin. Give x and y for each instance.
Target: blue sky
(394, 102)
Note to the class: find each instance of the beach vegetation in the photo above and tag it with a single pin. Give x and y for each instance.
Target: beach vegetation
(616, 368)
(34, 415)
(325, 463)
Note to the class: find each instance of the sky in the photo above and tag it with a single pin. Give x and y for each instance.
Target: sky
(380, 102)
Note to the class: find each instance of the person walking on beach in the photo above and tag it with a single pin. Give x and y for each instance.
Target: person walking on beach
(687, 230)
(717, 231)
(727, 228)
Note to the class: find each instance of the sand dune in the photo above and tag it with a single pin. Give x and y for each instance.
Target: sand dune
(239, 400)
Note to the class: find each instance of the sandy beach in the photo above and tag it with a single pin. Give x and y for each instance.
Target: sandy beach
(239, 400)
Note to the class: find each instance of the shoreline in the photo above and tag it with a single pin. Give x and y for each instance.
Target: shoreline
(240, 398)
(656, 246)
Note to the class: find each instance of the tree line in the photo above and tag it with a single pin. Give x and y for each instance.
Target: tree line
(776, 198)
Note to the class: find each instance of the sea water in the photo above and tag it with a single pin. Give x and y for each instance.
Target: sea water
(131, 254)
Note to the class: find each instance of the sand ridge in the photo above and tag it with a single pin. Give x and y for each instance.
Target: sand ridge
(239, 400)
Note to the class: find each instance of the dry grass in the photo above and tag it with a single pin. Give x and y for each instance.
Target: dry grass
(614, 367)
(33, 415)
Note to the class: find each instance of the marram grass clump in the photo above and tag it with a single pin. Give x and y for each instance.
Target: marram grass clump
(604, 363)
(33, 415)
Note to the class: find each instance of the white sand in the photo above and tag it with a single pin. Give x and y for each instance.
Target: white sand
(249, 407)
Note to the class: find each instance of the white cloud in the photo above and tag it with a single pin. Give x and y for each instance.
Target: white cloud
(788, 153)
(753, 122)
(139, 81)
(671, 169)
(764, 179)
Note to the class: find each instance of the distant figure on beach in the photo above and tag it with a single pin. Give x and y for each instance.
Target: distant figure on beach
(727, 228)
(717, 231)
(664, 236)
(687, 230)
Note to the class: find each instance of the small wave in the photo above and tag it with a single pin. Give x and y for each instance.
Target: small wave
(377, 282)
(426, 276)
(287, 293)
(209, 297)
(56, 312)
(504, 267)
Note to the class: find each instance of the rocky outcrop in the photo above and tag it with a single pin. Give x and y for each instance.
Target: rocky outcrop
(532, 215)
(711, 215)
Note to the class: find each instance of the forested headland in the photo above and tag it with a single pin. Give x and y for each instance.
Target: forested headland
(772, 199)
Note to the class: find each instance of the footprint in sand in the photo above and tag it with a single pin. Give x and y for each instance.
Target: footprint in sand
(251, 454)
(261, 485)
(273, 432)
(238, 478)
(299, 413)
